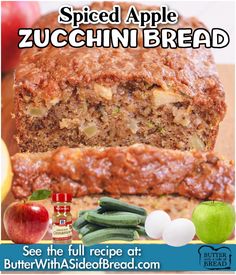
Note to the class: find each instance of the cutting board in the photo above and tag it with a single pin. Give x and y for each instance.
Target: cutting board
(224, 144)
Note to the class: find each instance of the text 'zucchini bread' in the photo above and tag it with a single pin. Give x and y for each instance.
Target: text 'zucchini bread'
(170, 98)
(141, 170)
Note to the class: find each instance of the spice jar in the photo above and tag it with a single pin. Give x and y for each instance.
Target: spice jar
(62, 218)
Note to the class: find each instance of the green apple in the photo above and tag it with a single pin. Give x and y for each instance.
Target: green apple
(214, 221)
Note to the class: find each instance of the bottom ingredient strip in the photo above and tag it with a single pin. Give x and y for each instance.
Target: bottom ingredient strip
(79, 264)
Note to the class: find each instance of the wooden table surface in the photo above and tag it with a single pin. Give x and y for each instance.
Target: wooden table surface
(225, 140)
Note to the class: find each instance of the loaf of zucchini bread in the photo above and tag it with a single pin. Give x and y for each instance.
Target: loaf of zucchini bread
(170, 98)
(139, 170)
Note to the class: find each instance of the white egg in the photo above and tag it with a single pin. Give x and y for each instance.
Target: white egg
(179, 232)
(155, 223)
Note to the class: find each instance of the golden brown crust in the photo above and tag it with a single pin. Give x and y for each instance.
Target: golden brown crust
(138, 169)
(50, 79)
(45, 73)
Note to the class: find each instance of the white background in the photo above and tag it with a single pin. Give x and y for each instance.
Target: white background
(213, 14)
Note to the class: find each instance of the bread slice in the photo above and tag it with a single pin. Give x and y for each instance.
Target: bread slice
(170, 98)
(139, 170)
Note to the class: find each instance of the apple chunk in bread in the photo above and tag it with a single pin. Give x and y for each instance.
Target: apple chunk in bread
(162, 97)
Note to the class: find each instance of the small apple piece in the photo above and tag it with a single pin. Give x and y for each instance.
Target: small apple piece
(26, 222)
(214, 221)
(155, 223)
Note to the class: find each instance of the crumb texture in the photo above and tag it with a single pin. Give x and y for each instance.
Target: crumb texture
(171, 98)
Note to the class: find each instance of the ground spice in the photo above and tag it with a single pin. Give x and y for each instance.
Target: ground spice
(62, 218)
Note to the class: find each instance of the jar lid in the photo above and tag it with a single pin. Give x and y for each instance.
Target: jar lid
(61, 197)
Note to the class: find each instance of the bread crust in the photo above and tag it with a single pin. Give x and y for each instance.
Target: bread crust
(135, 170)
(48, 77)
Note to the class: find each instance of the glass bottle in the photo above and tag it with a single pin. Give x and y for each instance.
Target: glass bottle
(62, 218)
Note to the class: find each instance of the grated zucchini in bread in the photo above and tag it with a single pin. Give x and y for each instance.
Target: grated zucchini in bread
(170, 98)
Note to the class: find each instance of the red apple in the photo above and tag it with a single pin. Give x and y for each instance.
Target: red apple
(15, 15)
(26, 222)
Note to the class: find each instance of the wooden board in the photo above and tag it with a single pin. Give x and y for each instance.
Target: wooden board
(225, 140)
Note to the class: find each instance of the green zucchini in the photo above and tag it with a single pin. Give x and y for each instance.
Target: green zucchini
(82, 212)
(80, 222)
(143, 218)
(88, 228)
(117, 205)
(128, 220)
(141, 231)
(98, 210)
(108, 234)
